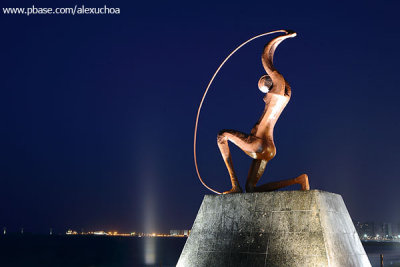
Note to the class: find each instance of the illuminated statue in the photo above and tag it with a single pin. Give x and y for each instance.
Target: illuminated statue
(259, 144)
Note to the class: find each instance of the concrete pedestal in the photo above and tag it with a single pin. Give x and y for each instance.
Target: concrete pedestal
(282, 228)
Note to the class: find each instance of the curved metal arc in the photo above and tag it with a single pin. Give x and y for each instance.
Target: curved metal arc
(204, 96)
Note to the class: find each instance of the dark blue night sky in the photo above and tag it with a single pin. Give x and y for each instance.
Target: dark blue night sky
(97, 111)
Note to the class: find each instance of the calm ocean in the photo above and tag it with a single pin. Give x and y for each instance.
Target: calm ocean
(103, 251)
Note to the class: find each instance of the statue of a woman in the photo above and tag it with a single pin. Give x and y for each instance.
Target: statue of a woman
(259, 144)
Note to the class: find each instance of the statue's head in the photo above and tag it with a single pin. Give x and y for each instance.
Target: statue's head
(265, 83)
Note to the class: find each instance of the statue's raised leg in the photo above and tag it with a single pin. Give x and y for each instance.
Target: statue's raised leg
(251, 145)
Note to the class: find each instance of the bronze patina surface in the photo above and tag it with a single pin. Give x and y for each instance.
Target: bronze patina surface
(259, 144)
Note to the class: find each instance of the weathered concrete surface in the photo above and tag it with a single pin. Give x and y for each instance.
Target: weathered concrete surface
(282, 228)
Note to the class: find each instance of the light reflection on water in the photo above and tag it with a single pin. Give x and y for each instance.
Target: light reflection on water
(149, 250)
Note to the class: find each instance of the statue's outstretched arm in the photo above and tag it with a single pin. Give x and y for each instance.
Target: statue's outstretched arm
(269, 50)
(278, 82)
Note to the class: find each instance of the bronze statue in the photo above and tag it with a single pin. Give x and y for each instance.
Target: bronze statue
(259, 144)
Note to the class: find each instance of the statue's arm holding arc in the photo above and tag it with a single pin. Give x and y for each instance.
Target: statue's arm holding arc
(259, 144)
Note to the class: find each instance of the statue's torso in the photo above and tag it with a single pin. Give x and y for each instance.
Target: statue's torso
(274, 105)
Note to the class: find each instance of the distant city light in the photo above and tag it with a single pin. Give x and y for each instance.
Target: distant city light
(71, 232)
(378, 231)
(99, 233)
(173, 233)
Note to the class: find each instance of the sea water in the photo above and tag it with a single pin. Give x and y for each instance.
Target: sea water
(110, 251)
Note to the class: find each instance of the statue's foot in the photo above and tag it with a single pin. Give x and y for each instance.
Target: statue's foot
(303, 181)
(235, 189)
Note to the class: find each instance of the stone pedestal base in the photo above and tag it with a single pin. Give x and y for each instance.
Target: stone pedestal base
(282, 228)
